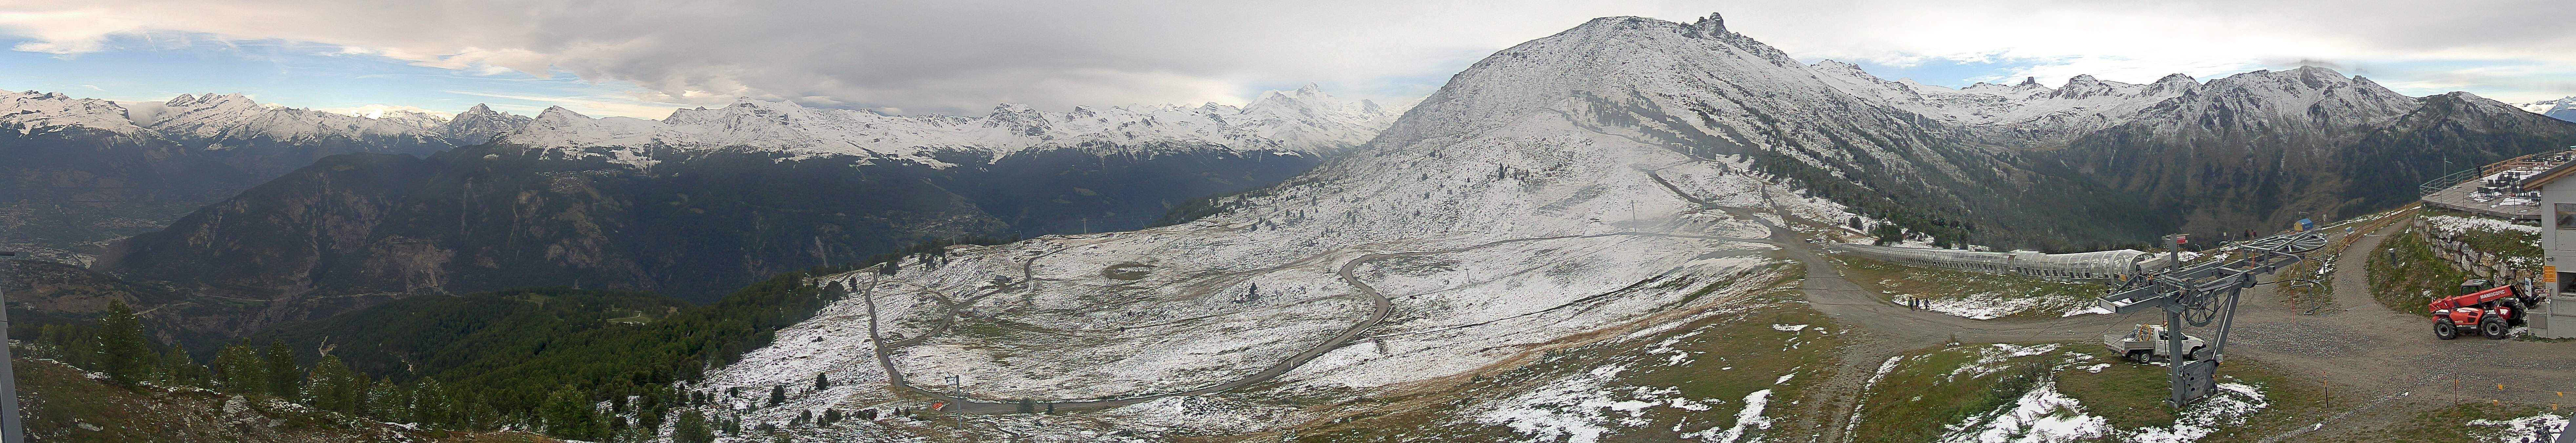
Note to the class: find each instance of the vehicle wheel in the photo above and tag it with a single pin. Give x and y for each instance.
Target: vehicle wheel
(2493, 328)
(2444, 329)
(2138, 356)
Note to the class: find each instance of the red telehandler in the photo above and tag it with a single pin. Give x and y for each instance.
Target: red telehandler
(2493, 311)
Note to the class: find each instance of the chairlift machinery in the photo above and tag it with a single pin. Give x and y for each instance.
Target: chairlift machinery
(2201, 294)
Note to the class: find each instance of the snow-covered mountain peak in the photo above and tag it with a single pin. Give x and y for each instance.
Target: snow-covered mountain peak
(2562, 109)
(1306, 120)
(34, 111)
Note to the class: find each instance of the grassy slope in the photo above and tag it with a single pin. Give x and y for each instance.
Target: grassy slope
(1881, 277)
(1920, 396)
(65, 404)
(1731, 355)
(1913, 401)
(2401, 285)
(2132, 395)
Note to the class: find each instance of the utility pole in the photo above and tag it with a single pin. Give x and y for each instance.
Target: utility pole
(10, 432)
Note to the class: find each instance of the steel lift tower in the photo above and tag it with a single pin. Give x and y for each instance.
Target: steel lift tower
(2202, 294)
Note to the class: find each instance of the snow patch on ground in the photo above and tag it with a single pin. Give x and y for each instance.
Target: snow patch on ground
(2041, 415)
(1577, 409)
(2541, 428)
(2229, 405)
(1996, 304)
(2454, 225)
(1200, 413)
(1989, 358)
(1748, 419)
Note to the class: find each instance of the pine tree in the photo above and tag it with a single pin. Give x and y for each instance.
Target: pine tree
(383, 401)
(124, 354)
(693, 428)
(568, 414)
(429, 403)
(283, 375)
(331, 386)
(240, 371)
(821, 383)
(179, 370)
(777, 395)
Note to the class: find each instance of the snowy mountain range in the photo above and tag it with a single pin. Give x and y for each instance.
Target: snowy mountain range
(1306, 120)
(1584, 185)
(213, 145)
(2563, 109)
(214, 120)
(88, 171)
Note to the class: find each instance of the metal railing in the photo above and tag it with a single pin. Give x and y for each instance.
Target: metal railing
(2436, 185)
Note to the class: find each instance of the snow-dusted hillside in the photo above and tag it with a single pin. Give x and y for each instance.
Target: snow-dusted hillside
(1550, 192)
(1492, 226)
(1305, 120)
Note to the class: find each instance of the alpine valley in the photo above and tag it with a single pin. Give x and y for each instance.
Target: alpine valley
(1598, 235)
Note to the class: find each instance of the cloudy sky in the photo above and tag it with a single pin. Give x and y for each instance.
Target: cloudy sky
(643, 58)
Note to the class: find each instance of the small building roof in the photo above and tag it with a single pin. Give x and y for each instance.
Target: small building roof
(2544, 177)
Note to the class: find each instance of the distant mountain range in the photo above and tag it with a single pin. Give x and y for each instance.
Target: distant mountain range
(87, 171)
(708, 199)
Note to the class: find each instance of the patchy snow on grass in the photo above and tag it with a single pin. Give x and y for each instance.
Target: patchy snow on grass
(1580, 409)
(2097, 369)
(1199, 413)
(1997, 304)
(1883, 369)
(2229, 405)
(1746, 420)
(1788, 328)
(1990, 357)
(2039, 416)
(2085, 310)
(1673, 356)
(2541, 428)
(2454, 225)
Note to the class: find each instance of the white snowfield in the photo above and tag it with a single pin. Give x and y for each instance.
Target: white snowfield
(1303, 121)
